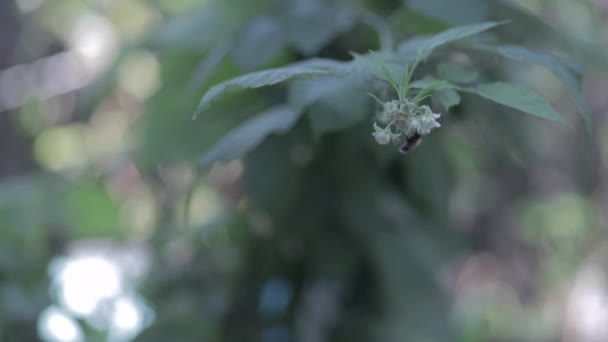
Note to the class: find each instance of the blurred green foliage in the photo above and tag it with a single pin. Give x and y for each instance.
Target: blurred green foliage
(274, 215)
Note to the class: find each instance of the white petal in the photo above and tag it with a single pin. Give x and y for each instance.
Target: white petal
(377, 128)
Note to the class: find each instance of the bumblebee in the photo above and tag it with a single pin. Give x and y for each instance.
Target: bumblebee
(411, 143)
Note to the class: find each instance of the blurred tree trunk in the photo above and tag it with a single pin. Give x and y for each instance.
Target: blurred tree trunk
(15, 150)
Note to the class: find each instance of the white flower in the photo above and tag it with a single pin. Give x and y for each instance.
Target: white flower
(407, 108)
(384, 118)
(382, 135)
(415, 123)
(391, 107)
(426, 122)
(406, 117)
(428, 112)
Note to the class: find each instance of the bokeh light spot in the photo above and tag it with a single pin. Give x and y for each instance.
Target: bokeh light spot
(55, 325)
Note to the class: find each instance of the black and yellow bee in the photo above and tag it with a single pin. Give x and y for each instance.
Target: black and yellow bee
(411, 143)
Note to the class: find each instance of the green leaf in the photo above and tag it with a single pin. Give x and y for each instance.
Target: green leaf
(521, 98)
(272, 179)
(163, 139)
(252, 132)
(407, 20)
(304, 92)
(91, 212)
(565, 70)
(433, 84)
(309, 25)
(425, 46)
(255, 38)
(448, 98)
(456, 73)
(446, 92)
(387, 66)
(199, 28)
(457, 12)
(341, 109)
(309, 68)
(337, 103)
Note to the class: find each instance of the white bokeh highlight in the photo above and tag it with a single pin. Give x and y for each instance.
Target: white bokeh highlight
(85, 282)
(57, 326)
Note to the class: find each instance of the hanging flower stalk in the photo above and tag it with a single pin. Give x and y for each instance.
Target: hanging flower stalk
(405, 117)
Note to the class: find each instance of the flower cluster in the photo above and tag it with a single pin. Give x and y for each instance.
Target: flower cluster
(407, 118)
